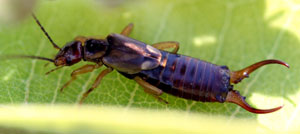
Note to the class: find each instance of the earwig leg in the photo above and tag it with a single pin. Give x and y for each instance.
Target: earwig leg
(127, 30)
(82, 70)
(150, 89)
(96, 83)
(238, 76)
(234, 96)
(166, 45)
(82, 39)
(146, 90)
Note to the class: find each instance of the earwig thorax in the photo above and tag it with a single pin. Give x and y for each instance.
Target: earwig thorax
(95, 49)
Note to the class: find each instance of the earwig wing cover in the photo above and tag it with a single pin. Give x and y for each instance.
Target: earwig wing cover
(131, 56)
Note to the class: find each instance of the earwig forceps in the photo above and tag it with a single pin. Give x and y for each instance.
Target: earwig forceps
(237, 76)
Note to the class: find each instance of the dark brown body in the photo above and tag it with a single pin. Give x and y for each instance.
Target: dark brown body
(156, 70)
(189, 78)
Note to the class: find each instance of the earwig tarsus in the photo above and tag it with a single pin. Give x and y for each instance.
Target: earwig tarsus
(155, 69)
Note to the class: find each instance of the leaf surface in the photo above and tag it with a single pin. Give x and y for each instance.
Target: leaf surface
(224, 32)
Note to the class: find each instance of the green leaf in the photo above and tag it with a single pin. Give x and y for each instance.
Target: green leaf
(225, 32)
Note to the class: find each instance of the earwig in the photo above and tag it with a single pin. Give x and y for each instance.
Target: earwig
(155, 69)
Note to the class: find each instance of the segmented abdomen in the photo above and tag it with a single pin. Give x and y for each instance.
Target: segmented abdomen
(189, 78)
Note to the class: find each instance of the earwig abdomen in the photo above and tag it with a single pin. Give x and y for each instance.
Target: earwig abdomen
(189, 78)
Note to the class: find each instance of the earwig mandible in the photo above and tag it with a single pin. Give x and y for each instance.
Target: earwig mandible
(152, 67)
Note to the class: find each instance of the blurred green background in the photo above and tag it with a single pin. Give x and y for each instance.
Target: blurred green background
(235, 33)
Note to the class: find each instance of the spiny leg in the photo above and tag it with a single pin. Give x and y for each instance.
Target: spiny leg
(238, 76)
(167, 45)
(150, 89)
(127, 30)
(96, 83)
(82, 70)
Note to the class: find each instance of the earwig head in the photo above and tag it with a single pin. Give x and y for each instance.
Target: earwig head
(95, 49)
(70, 54)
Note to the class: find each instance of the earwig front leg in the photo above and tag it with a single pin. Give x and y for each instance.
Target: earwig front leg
(96, 83)
(150, 89)
(127, 30)
(166, 45)
(82, 70)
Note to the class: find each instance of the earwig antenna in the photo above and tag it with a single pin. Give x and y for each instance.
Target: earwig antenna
(43, 29)
(25, 56)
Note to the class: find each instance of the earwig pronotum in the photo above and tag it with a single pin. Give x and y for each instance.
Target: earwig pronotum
(153, 68)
